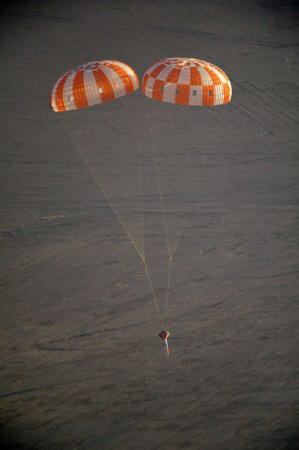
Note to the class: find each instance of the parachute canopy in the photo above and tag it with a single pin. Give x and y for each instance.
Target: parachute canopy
(93, 83)
(186, 81)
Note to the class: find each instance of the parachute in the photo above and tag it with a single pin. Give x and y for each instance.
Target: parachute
(93, 83)
(146, 158)
(186, 81)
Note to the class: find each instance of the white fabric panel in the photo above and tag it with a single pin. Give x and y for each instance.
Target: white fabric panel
(169, 92)
(152, 68)
(149, 87)
(91, 88)
(230, 89)
(164, 73)
(113, 77)
(68, 92)
(196, 99)
(218, 94)
(184, 77)
(206, 79)
(219, 74)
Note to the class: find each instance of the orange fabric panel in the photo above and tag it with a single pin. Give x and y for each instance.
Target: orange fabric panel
(145, 78)
(207, 99)
(213, 75)
(128, 84)
(79, 93)
(157, 93)
(195, 77)
(173, 75)
(182, 98)
(59, 94)
(104, 83)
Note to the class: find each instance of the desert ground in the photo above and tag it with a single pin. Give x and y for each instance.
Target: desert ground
(136, 215)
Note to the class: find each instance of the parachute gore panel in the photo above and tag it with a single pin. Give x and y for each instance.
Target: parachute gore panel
(186, 81)
(92, 83)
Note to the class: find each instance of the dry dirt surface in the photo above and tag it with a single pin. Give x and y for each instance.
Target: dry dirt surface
(117, 216)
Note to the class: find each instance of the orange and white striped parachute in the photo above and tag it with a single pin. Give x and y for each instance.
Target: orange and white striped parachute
(93, 83)
(186, 81)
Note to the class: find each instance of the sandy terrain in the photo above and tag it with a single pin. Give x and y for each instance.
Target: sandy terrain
(97, 202)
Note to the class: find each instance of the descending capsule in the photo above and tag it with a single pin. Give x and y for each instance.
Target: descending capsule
(186, 81)
(93, 83)
(164, 335)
